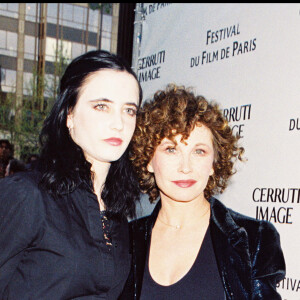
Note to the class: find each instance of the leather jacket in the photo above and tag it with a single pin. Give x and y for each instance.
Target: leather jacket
(248, 253)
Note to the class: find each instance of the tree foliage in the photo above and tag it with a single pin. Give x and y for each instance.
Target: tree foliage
(40, 93)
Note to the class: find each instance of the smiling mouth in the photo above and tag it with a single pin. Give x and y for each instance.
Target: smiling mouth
(114, 141)
(184, 183)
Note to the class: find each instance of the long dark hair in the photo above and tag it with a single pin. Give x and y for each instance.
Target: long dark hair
(62, 162)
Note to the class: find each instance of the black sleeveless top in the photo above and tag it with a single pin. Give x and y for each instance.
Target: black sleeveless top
(201, 282)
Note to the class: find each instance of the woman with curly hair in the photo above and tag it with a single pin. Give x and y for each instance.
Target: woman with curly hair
(192, 246)
(64, 229)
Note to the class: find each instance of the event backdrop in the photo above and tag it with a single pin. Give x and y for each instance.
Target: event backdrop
(246, 57)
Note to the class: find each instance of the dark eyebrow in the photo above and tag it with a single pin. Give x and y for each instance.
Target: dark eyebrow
(101, 99)
(110, 101)
(132, 104)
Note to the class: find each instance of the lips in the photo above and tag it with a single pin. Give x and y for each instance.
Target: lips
(114, 141)
(184, 183)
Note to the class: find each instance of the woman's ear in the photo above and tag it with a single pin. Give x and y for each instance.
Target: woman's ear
(149, 167)
(70, 121)
(211, 172)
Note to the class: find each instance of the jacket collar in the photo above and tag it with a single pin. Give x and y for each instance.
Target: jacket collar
(231, 248)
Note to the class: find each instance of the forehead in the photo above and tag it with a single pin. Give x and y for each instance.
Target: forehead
(200, 134)
(110, 84)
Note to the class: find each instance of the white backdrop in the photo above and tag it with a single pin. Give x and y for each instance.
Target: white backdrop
(246, 57)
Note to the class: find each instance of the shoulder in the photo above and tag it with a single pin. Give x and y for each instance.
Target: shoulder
(21, 190)
(20, 183)
(255, 228)
(260, 233)
(21, 179)
(227, 216)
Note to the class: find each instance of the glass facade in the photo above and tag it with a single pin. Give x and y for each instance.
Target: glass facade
(9, 10)
(72, 28)
(8, 80)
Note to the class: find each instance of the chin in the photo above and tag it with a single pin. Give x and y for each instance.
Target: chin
(104, 158)
(109, 159)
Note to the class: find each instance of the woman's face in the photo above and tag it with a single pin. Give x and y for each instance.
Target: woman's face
(103, 120)
(181, 171)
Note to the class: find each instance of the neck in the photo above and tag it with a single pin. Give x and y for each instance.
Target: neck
(184, 214)
(100, 171)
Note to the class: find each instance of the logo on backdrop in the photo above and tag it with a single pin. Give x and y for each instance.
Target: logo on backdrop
(282, 196)
(237, 47)
(238, 114)
(153, 7)
(149, 67)
(294, 124)
(290, 284)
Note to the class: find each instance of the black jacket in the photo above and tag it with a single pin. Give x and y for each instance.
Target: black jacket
(53, 248)
(248, 253)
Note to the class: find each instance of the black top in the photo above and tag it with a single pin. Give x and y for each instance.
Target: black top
(201, 282)
(56, 248)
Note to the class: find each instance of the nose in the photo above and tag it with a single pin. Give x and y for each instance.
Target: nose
(185, 165)
(117, 122)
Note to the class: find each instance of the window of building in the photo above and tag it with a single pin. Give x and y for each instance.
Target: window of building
(8, 80)
(52, 13)
(67, 11)
(73, 16)
(106, 32)
(91, 48)
(93, 20)
(27, 83)
(12, 41)
(52, 45)
(105, 41)
(77, 49)
(8, 45)
(3, 39)
(107, 23)
(29, 47)
(79, 14)
(50, 86)
(9, 9)
(31, 12)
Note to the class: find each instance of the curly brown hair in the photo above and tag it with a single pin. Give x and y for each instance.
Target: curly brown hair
(174, 111)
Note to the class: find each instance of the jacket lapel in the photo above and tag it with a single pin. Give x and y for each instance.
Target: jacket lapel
(143, 228)
(231, 247)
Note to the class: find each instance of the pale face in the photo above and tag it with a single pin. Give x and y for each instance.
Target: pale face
(181, 171)
(103, 120)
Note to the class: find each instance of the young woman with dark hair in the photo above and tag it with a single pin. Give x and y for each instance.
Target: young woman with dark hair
(64, 232)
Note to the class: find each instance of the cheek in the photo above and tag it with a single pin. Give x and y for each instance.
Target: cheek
(206, 168)
(164, 168)
(128, 130)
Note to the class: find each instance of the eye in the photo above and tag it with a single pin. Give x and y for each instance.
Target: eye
(131, 111)
(200, 151)
(101, 106)
(170, 150)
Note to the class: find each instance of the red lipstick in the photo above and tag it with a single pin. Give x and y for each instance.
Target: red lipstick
(114, 141)
(184, 183)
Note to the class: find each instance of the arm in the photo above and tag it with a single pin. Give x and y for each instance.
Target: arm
(18, 224)
(128, 290)
(268, 263)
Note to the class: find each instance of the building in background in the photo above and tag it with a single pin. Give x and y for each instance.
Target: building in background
(30, 34)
